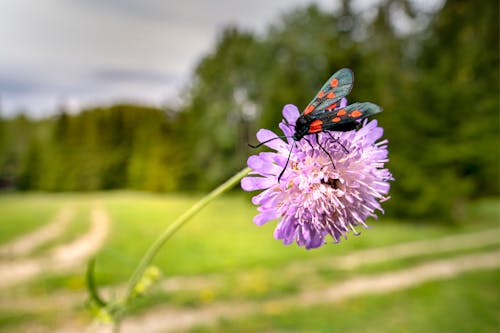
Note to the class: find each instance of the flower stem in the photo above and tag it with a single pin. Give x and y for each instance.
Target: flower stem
(172, 228)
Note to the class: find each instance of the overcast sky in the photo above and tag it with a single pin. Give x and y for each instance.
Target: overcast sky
(83, 52)
(76, 53)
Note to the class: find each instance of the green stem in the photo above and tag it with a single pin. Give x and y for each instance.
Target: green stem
(171, 229)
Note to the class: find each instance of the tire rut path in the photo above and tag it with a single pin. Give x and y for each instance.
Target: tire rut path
(63, 258)
(26, 243)
(166, 319)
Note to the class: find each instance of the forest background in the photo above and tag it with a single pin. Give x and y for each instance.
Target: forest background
(435, 74)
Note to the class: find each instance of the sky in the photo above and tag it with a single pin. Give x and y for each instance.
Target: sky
(79, 53)
(74, 54)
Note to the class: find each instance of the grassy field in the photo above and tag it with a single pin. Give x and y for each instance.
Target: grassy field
(468, 303)
(242, 261)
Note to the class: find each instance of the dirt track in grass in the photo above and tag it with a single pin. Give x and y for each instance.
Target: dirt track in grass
(168, 318)
(26, 243)
(74, 255)
(60, 259)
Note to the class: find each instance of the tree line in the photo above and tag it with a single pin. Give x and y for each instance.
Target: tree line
(438, 84)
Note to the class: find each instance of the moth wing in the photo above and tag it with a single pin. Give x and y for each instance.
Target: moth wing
(338, 86)
(344, 119)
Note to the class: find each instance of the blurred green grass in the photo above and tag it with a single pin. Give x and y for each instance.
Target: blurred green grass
(221, 244)
(21, 213)
(468, 303)
(221, 238)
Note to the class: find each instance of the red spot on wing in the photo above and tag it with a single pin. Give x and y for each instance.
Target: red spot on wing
(336, 119)
(309, 109)
(315, 126)
(341, 112)
(331, 94)
(334, 83)
(331, 107)
(321, 94)
(355, 114)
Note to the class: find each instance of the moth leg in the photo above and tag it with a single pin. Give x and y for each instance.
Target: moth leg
(336, 140)
(310, 144)
(323, 148)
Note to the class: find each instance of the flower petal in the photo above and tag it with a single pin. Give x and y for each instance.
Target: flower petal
(276, 143)
(262, 166)
(285, 231)
(265, 134)
(257, 183)
(291, 113)
(287, 130)
(265, 217)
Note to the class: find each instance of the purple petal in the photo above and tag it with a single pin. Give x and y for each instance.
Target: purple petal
(280, 160)
(265, 134)
(267, 156)
(370, 131)
(291, 113)
(277, 144)
(264, 217)
(257, 183)
(317, 240)
(262, 197)
(285, 231)
(287, 129)
(262, 166)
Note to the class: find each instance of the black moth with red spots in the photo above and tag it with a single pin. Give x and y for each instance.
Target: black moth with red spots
(324, 112)
(327, 112)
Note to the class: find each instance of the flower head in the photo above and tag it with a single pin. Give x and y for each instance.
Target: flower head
(315, 198)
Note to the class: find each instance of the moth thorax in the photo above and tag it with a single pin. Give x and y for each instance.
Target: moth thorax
(301, 127)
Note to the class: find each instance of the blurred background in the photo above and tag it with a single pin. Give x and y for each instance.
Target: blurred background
(126, 111)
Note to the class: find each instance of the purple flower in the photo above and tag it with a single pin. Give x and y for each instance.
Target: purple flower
(314, 197)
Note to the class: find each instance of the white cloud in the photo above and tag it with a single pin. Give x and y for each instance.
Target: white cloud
(92, 51)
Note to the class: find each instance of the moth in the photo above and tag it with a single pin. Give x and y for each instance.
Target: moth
(327, 113)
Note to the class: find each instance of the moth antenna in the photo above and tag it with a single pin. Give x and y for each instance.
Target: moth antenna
(286, 164)
(262, 143)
